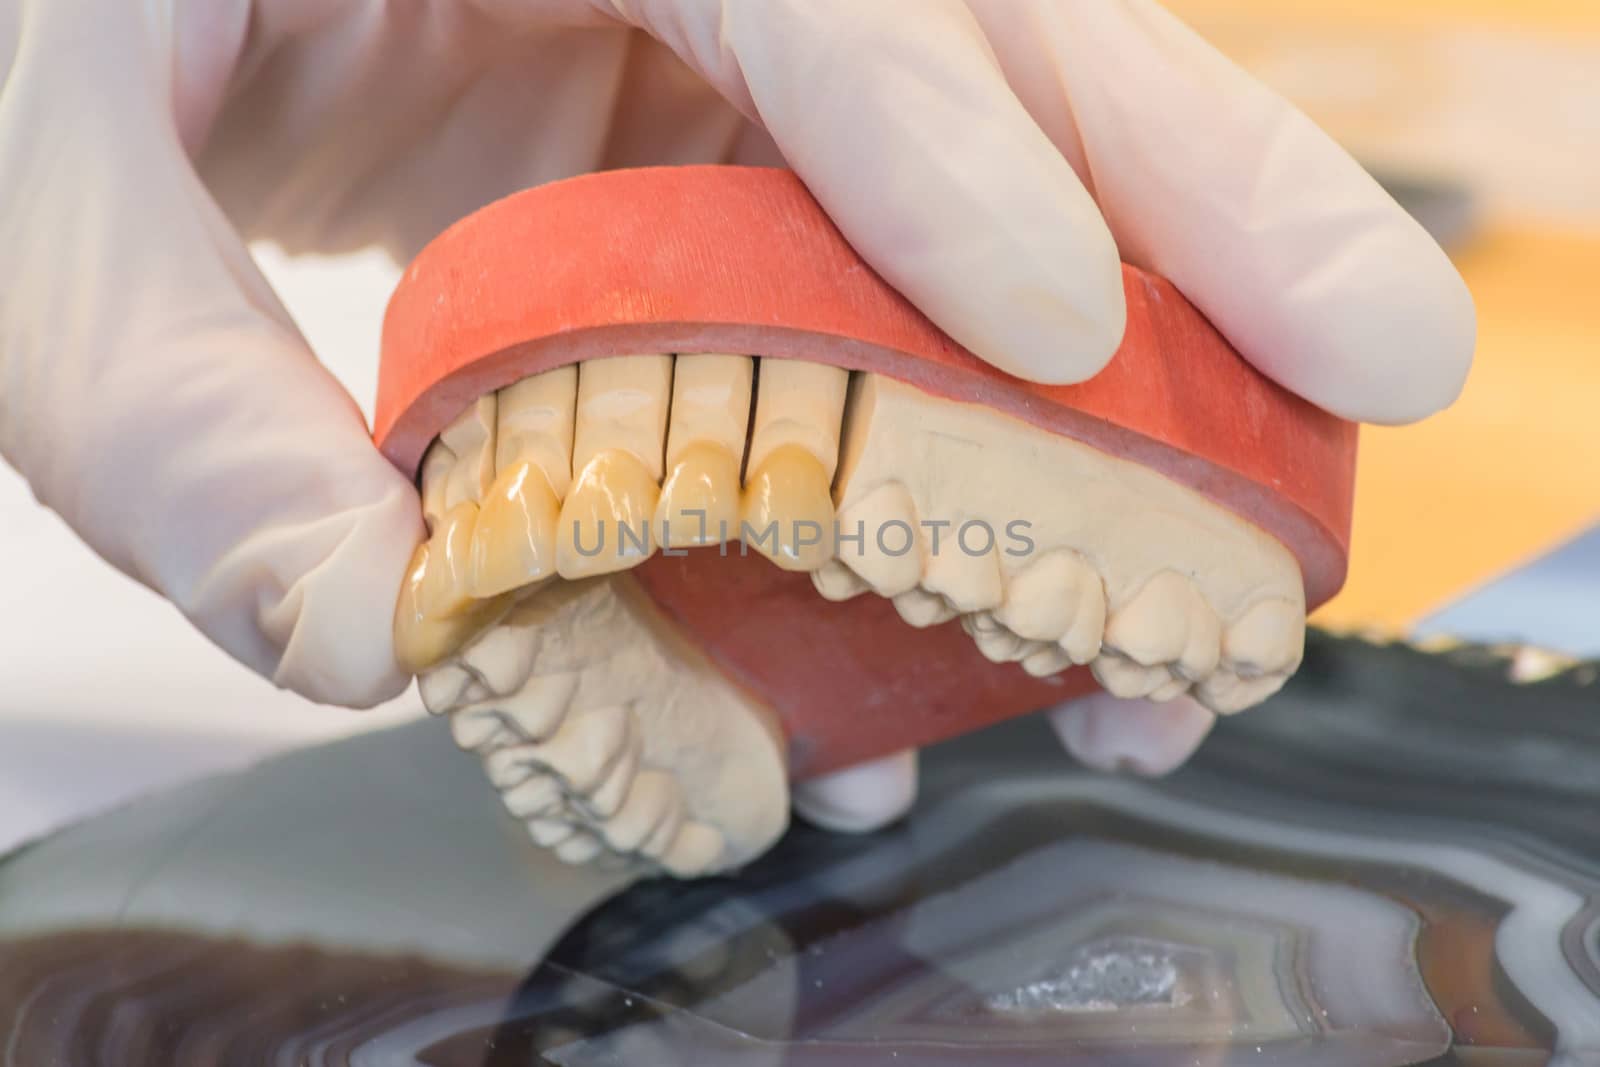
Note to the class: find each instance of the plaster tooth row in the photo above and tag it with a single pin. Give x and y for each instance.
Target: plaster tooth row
(585, 470)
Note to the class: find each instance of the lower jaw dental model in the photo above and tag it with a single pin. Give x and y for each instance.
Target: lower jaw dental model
(712, 508)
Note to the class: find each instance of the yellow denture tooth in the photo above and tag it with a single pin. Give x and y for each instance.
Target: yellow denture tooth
(514, 544)
(617, 445)
(699, 502)
(421, 639)
(456, 472)
(786, 512)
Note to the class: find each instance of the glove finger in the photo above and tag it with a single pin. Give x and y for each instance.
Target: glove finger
(898, 120)
(158, 397)
(1114, 734)
(859, 799)
(1208, 177)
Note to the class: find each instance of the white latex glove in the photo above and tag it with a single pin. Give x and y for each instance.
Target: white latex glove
(991, 158)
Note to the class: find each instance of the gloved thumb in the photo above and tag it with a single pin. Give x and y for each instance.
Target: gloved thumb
(155, 393)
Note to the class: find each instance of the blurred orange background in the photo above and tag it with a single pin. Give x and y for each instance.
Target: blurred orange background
(1501, 99)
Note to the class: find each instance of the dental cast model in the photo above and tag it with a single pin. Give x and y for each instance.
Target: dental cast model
(692, 537)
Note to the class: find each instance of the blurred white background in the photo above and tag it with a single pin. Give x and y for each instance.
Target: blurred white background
(105, 690)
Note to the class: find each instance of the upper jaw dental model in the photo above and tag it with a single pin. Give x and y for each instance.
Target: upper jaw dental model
(711, 507)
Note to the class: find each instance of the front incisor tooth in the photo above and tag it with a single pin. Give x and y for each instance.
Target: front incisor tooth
(794, 450)
(605, 523)
(786, 512)
(618, 438)
(699, 502)
(878, 539)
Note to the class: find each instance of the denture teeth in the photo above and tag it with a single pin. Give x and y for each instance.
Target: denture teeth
(501, 659)
(699, 502)
(1268, 639)
(650, 801)
(969, 582)
(661, 838)
(539, 794)
(837, 582)
(786, 513)
(1167, 622)
(1122, 677)
(515, 541)
(421, 639)
(1224, 692)
(998, 645)
(696, 849)
(444, 593)
(1042, 600)
(1046, 660)
(794, 451)
(578, 849)
(446, 687)
(548, 833)
(475, 729)
(585, 747)
(608, 796)
(618, 436)
(888, 555)
(1083, 638)
(471, 441)
(922, 609)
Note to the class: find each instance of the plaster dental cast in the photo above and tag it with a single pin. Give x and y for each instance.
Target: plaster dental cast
(994, 161)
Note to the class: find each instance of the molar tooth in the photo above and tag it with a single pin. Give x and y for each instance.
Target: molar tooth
(1153, 627)
(699, 502)
(618, 434)
(694, 851)
(921, 609)
(888, 556)
(539, 706)
(539, 794)
(652, 798)
(1082, 640)
(607, 798)
(585, 747)
(445, 687)
(1123, 677)
(507, 766)
(968, 582)
(837, 582)
(786, 512)
(794, 451)
(1224, 692)
(1268, 639)
(1042, 600)
(655, 846)
(1046, 660)
(980, 622)
(578, 849)
(501, 658)
(548, 833)
(1175, 688)
(474, 729)
(999, 645)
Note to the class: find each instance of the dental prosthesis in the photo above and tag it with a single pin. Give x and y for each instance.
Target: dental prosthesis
(712, 507)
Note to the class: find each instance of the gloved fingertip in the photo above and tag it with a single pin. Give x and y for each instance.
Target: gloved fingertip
(859, 799)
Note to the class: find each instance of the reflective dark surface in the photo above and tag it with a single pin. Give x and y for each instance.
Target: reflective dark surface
(1397, 861)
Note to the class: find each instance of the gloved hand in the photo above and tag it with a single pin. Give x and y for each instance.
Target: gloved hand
(990, 158)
